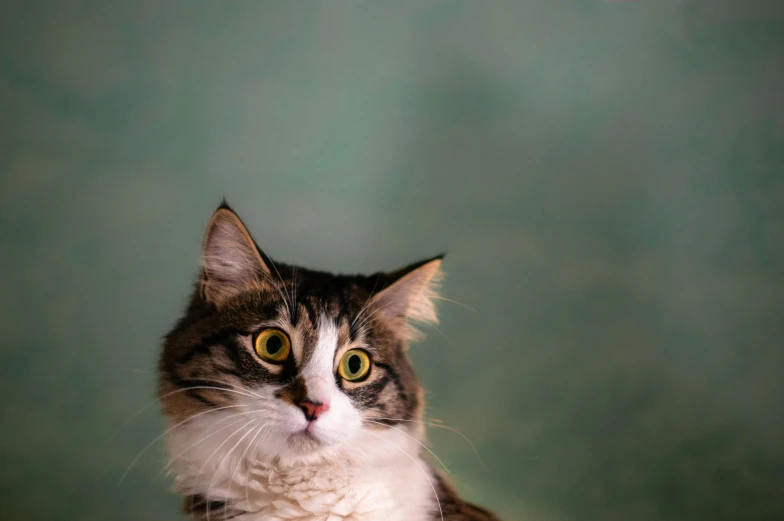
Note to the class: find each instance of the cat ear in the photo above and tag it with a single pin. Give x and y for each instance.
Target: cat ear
(409, 293)
(231, 262)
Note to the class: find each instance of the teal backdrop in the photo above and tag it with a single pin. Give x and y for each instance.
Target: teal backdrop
(606, 177)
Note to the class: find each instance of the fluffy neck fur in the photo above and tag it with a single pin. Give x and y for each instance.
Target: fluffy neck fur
(381, 478)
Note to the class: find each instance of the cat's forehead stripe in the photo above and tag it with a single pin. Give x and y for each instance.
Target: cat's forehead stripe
(322, 356)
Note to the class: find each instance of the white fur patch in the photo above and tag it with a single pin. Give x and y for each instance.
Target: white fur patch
(257, 457)
(376, 478)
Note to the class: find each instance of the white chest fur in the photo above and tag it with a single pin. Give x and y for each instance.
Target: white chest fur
(380, 478)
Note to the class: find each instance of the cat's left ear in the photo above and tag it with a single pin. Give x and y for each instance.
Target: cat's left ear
(409, 293)
(231, 261)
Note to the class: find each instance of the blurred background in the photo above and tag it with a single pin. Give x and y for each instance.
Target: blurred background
(607, 178)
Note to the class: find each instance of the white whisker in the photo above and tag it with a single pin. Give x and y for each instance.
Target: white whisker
(201, 470)
(281, 285)
(239, 464)
(247, 477)
(167, 431)
(367, 318)
(443, 335)
(175, 457)
(420, 468)
(225, 458)
(156, 400)
(294, 290)
(364, 306)
(416, 440)
(447, 427)
(278, 289)
(469, 308)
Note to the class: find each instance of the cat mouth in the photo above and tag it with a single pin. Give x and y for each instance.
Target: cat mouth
(306, 434)
(304, 441)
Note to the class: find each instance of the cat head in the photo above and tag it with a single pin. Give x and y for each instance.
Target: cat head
(300, 362)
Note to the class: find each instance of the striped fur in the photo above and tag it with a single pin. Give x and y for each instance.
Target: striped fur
(240, 446)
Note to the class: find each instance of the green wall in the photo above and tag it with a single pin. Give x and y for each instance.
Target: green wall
(606, 177)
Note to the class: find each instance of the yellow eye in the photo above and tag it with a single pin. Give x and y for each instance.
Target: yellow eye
(273, 346)
(355, 365)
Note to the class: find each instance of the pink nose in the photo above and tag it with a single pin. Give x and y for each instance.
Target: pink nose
(312, 410)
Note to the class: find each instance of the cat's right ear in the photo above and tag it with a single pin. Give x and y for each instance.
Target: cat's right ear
(231, 262)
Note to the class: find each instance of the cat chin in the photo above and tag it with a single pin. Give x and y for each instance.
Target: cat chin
(306, 453)
(303, 444)
(308, 447)
(314, 448)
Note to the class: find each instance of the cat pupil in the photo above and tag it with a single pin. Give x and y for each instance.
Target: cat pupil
(273, 344)
(354, 364)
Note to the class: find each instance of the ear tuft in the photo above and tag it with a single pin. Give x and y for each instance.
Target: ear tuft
(224, 205)
(231, 261)
(409, 296)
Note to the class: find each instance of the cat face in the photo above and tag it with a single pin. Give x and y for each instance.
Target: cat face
(298, 361)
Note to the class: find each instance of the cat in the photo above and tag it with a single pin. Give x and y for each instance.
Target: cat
(289, 393)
